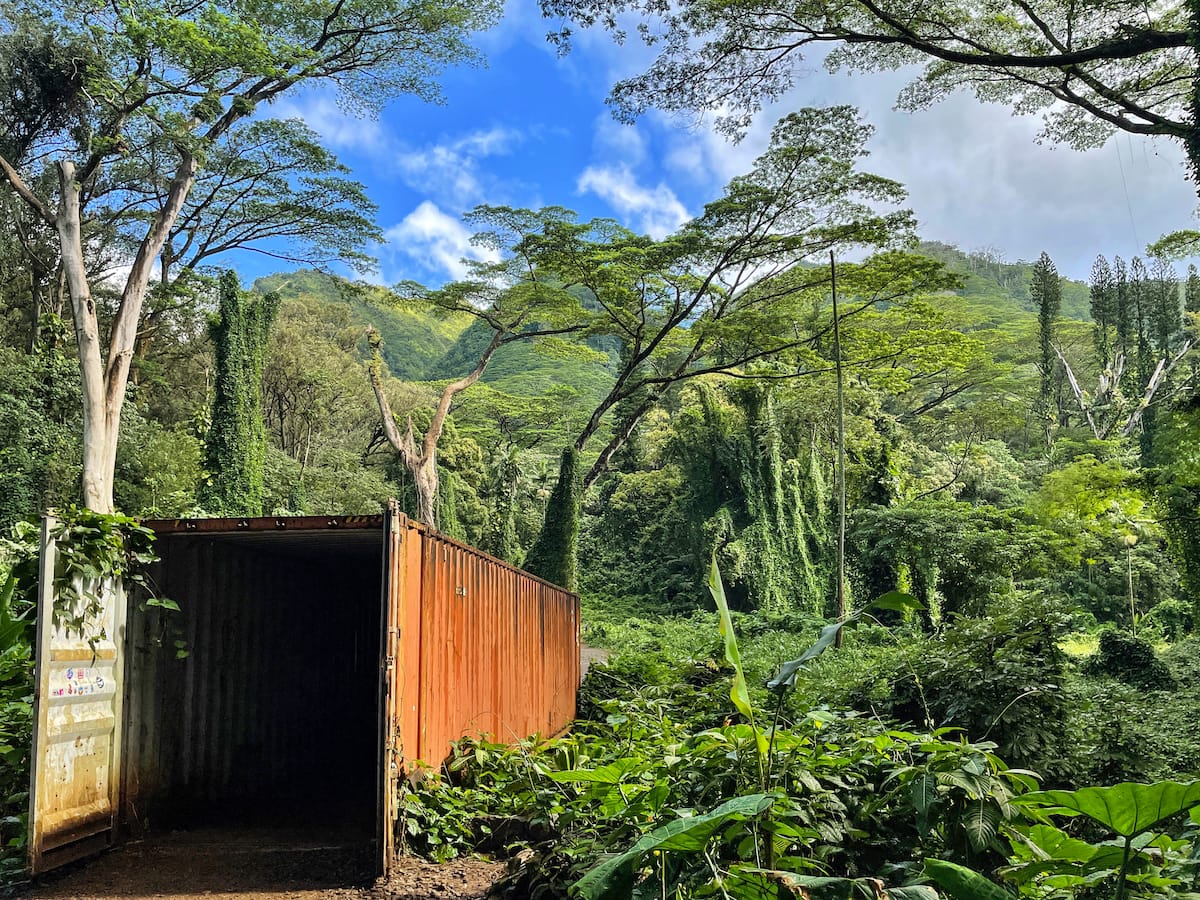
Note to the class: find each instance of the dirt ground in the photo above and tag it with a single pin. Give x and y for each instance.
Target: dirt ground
(194, 865)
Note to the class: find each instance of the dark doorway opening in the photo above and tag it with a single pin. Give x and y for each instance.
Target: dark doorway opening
(255, 707)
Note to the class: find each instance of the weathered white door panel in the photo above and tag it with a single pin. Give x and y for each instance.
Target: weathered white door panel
(389, 664)
(77, 723)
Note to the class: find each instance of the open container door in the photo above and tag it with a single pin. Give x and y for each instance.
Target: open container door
(389, 688)
(78, 691)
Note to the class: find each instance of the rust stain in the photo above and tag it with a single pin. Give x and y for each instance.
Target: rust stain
(292, 627)
(486, 650)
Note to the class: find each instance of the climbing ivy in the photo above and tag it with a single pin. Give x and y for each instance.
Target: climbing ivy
(235, 449)
(554, 555)
(762, 507)
(91, 549)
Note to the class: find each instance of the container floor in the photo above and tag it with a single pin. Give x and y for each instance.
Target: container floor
(257, 864)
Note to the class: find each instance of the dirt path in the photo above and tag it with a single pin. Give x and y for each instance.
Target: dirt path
(195, 865)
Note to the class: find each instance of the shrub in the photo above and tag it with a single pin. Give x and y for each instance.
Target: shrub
(1130, 659)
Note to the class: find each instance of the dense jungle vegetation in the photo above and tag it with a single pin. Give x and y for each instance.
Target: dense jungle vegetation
(1049, 629)
(896, 546)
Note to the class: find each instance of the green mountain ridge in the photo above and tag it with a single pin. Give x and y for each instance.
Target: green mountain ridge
(422, 345)
(1002, 288)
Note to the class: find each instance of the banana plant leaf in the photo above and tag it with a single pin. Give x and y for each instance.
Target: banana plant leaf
(739, 693)
(785, 678)
(962, 883)
(614, 878)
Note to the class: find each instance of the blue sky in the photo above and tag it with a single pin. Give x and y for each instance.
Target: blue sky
(532, 129)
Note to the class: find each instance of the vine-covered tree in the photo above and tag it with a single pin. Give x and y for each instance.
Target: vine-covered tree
(553, 555)
(1046, 294)
(180, 78)
(236, 446)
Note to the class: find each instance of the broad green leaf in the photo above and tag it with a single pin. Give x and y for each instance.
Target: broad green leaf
(897, 601)
(962, 883)
(1048, 842)
(613, 773)
(1128, 808)
(739, 693)
(753, 883)
(615, 876)
(913, 892)
(786, 676)
(980, 822)
(924, 792)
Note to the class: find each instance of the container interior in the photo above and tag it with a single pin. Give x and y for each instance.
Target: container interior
(256, 703)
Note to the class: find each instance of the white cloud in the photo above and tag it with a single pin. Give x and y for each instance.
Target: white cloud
(436, 242)
(338, 129)
(656, 211)
(975, 172)
(614, 140)
(451, 170)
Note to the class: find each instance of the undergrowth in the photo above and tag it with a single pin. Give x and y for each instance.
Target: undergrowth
(883, 763)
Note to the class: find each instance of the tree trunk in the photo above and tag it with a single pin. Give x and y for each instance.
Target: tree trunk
(424, 473)
(421, 465)
(100, 423)
(104, 384)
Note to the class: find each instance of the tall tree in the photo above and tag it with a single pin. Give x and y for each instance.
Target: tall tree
(1123, 327)
(1093, 68)
(732, 288)
(1046, 292)
(236, 446)
(1139, 305)
(181, 77)
(1165, 315)
(727, 289)
(1103, 307)
(1191, 290)
(511, 299)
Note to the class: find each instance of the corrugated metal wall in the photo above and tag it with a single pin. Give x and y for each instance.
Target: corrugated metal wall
(498, 650)
(279, 695)
(276, 698)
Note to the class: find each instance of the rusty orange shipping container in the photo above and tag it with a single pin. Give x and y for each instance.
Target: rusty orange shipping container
(313, 661)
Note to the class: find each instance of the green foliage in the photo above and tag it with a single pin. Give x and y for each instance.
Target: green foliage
(39, 423)
(414, 338)
(554, 555)
(960, 557)
(1128, 809)
(1131, 659)
(657, 788)
(235, 447)
(90, 549)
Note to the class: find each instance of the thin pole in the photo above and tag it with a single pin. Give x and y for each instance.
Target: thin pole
(841, 453)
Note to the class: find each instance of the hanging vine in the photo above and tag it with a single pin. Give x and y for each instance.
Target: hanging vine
(92, 551)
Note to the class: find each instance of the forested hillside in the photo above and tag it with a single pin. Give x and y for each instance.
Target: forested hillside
(992, 282)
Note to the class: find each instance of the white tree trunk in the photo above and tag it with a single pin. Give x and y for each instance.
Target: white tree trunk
(99, 427)
(422, 464)
(104, 384)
